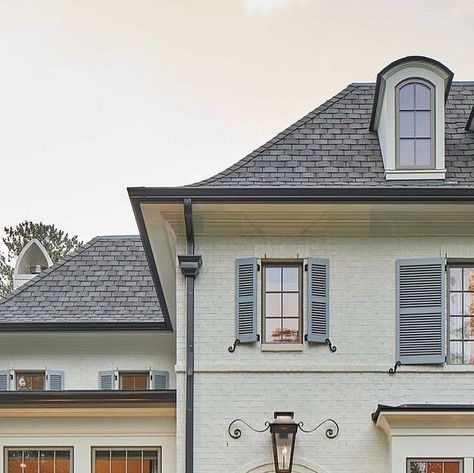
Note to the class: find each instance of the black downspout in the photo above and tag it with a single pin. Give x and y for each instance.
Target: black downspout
(189, 264)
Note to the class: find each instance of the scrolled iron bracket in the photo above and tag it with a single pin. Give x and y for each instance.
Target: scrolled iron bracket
(234, 345)
(393, 370)
(236, 433)
(330, 432)
(331, 346)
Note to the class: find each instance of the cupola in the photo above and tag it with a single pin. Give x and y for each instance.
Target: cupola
(31, 261)
(408, 116)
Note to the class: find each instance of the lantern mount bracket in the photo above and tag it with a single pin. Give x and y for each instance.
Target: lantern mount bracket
(236, 433)
(331, 432)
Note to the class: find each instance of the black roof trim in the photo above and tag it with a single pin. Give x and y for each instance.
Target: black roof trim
(422, 408)
(81, 326)
(294, 194)
(393, 64)
(62, 398)
(470, 121)
(137, 211)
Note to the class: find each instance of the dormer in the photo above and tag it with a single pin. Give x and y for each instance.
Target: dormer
(31, 261)
(408, 116)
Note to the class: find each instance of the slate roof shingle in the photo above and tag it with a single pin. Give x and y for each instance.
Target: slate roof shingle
(105, 281)
(333, 147)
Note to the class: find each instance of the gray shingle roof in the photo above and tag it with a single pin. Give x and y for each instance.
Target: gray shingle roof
(105, 281)
(333, 147)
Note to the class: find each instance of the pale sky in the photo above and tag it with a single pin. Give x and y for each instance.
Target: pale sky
(98, 95)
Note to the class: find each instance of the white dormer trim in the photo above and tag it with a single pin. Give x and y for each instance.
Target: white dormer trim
(385, 111)
(33, 253)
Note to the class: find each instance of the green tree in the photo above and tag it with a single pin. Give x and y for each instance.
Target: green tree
(57, 243)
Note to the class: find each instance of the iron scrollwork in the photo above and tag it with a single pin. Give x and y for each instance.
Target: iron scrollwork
(330, 432)
(393, 370)
(234, 345)
(331, 346)
(236, 433)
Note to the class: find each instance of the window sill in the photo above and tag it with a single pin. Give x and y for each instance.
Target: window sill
(282, 347)
(408, 174)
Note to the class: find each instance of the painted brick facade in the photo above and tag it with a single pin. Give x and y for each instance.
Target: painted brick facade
(315, 383)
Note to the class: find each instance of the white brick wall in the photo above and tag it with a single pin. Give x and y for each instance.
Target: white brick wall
(82, 355)
(315, 383)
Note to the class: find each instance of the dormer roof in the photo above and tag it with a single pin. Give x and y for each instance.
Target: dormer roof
(426, 62)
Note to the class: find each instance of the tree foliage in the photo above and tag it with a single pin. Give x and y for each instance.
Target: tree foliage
(56, 242)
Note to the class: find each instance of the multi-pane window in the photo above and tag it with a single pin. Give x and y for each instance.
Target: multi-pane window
(134, 381)
(461, 314)
(28, 460)
(130, 460)
(30, 380)
(434, 466)
(282, 301)
(415, 125)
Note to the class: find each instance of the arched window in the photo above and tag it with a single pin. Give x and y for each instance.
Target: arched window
(415, 125)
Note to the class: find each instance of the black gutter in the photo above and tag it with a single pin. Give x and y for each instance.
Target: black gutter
(393, 64)
(190, 264)
(151, 263)
(82, 326)
(422, 408)
(73, 398)
(298, 194)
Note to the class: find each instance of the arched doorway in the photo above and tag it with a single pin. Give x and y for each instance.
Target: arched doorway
(299, 466)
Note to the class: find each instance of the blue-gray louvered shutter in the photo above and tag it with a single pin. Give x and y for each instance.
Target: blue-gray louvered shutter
(318, 300)
(160, 379)
(5, 380)
(107, 380)
(54, 380)
(246, 300)
(420, 311)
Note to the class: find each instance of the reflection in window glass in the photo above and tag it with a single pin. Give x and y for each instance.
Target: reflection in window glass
(38, 461)
(282, 303)
(461, 314)
(134, 381)
(127, 461)
(30, 381)
(434, 466)
(414, 123)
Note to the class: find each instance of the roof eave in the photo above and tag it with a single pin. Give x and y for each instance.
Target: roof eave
(139, 195)
(82, 326)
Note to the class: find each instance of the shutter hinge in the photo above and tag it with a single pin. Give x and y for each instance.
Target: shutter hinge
(258, 267)
(306, 267)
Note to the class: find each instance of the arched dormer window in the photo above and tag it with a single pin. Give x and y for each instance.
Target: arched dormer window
(415, 125)
(408, 117)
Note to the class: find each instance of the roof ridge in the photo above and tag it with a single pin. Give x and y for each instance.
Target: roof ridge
(61, 262)
(283, 134)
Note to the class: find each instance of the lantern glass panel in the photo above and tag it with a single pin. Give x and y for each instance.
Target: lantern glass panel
(284, 446)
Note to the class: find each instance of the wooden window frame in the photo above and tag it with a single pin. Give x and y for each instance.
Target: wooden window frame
(432, 165)
(436, 460)
(18, 373)
(298, 263)
(147, 374)
(158, 449)
(48, 448)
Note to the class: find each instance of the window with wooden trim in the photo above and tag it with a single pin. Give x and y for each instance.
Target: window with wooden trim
(415, 125)
(282, 302)
(461, 314)
(30, 380)
(134, 381)
(126, 460)
(35, 460)
(434, 466)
